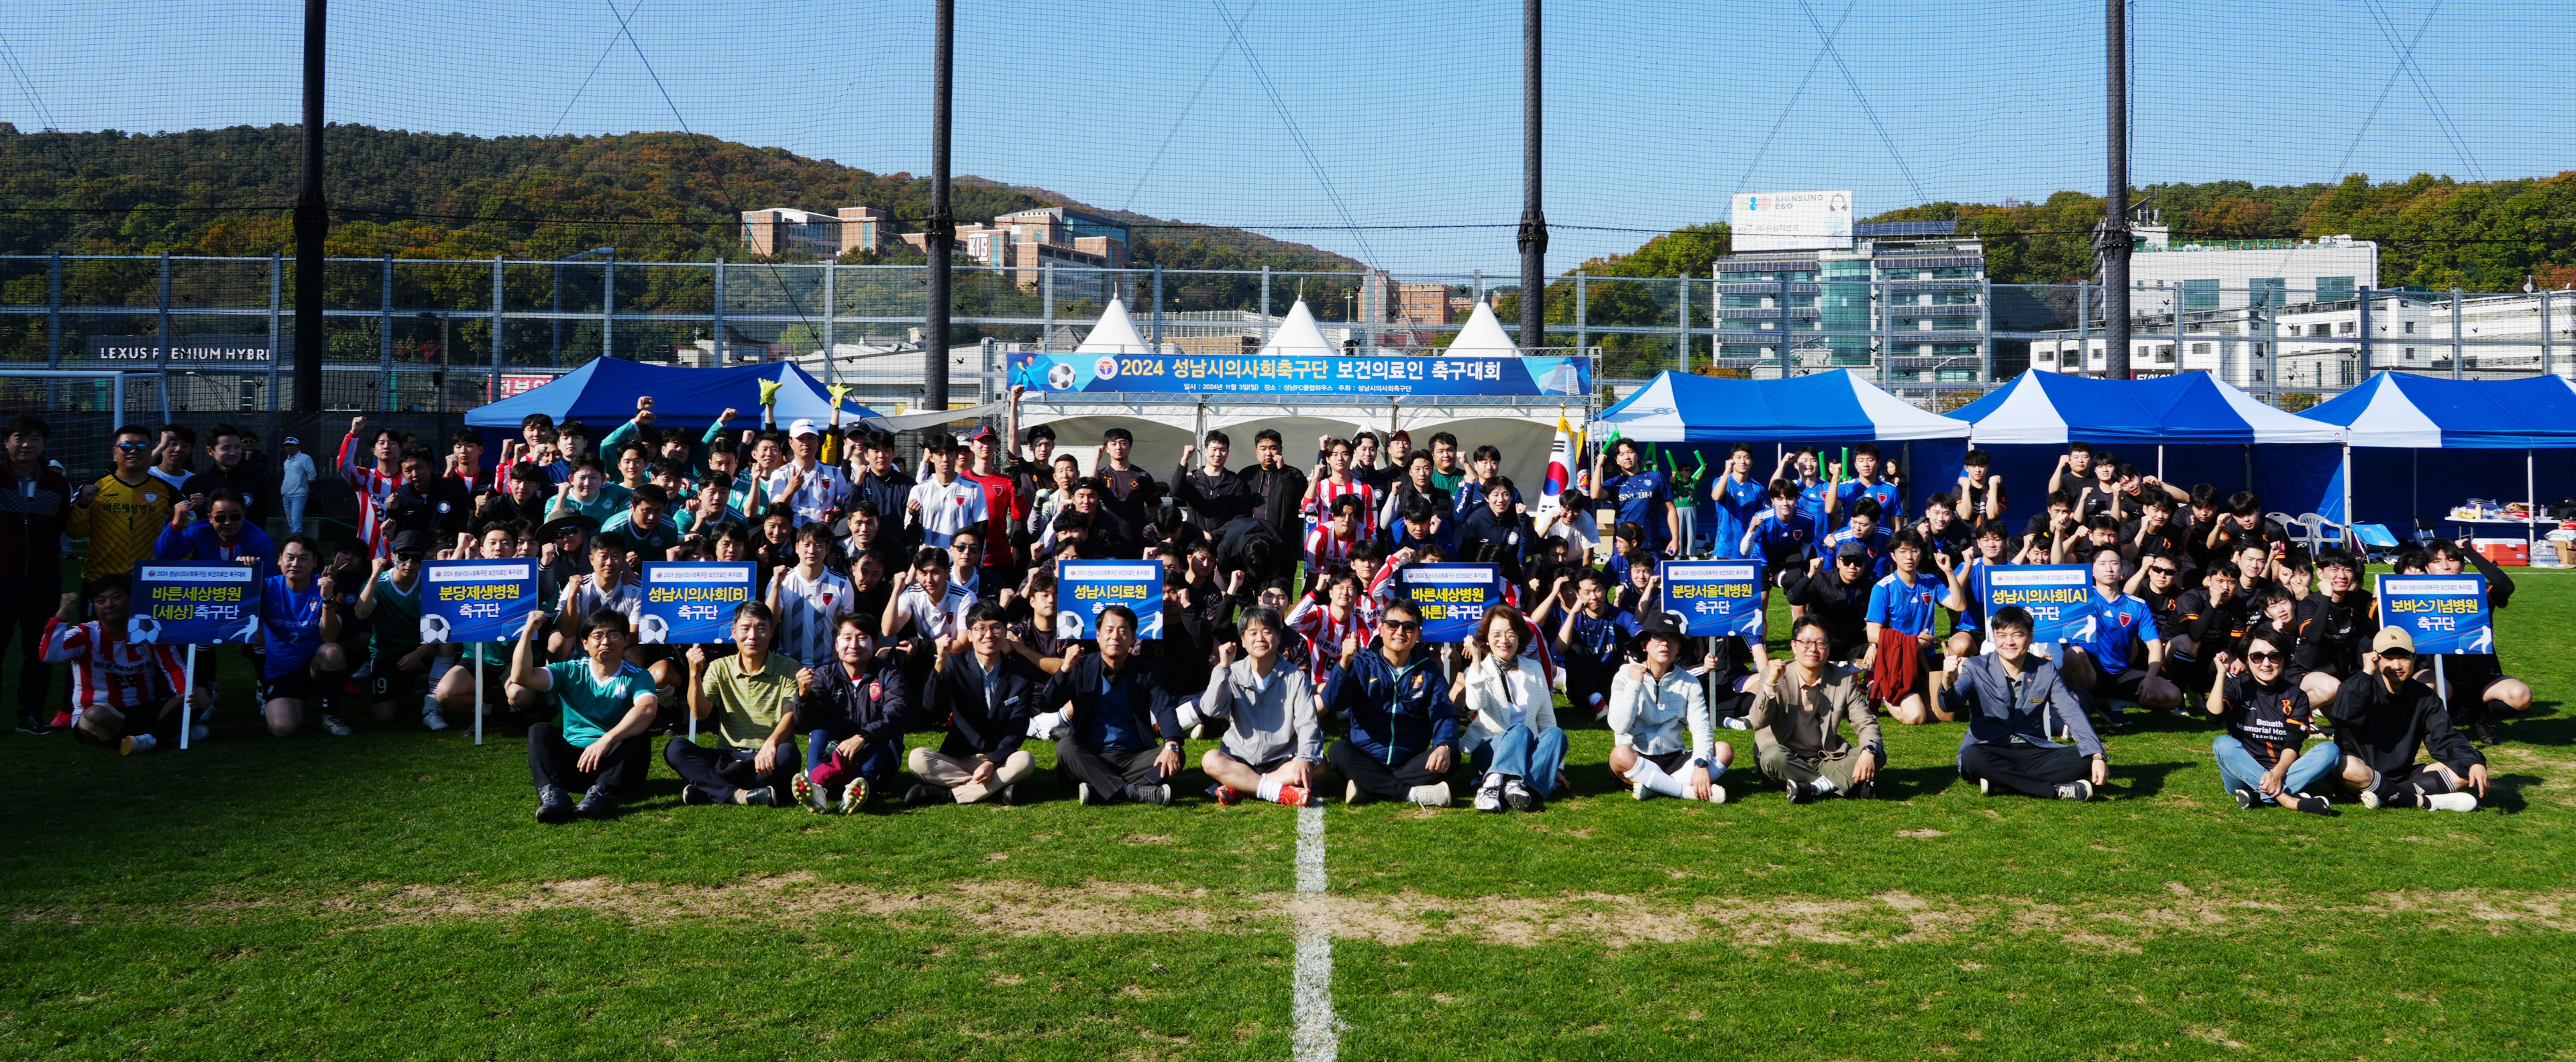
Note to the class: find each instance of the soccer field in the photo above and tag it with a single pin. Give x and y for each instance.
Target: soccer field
(389, 896)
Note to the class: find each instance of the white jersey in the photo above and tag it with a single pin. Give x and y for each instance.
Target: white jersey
(946, 619)
(948, 508)
(586, 596)
(824, 489)
(809, 614)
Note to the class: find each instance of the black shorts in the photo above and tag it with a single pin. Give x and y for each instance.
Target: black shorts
(2120, 687)
(296, 685)
(388, 683)
(1672, 762)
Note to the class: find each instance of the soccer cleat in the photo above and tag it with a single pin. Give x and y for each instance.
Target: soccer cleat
(1737, 722)
(923, 794)
(434, 720)
(1435, 795)
(197, 734)
(1351, 794)
(2451, 801)
(1226, 796)
(855, 795)
(2370, 798)
(2486, 732)
(763, 797)
(595, 803)
(1519, 796)
(1157, 795)
(139, 743)
(2078, 789)
(63, 721)
(1985, 788)
(1861, 790)
(1489, 798)
(1802, 793)
(1295, 796)
(335, 726)
(2317, 805)
(1082, 795)
(553, 806)
(2245, 797)
(692, 795)
(809, 794)
(31, 723)
(1640, 791)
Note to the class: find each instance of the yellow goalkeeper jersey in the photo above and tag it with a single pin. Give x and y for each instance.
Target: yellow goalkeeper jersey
(121, 521)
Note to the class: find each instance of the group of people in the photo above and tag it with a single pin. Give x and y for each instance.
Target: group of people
(895, 602)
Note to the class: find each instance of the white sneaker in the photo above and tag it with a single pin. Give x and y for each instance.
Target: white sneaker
(2452, 801)
(334, 726)
(138, 744)
(434, 719)
(1716, 794)
(1490, 798)
(1350, 792)
(1737, 722)
(1640, 791)
(1435, 795)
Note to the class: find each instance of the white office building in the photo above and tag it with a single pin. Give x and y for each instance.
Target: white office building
(2226, 274)
(2318, 345)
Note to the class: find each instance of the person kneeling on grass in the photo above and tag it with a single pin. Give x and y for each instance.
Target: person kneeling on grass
(120, 697)
(1404, 728)
(1659, 722)
(1797, 712)
(1273, 745)
(2010, 697)
(1512, 737)
(299, 626)
(1903, 605)
(2267, 716)
(853, 716)
(987, 693)
(750, 698)
(2382, 715)
(1125, 740)
(601, 745)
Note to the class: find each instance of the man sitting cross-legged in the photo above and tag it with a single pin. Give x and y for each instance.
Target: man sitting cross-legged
(1125, 740)
(2267, 716)
(853, 715)
(601, 745)
(2382, 715)
(750, 698)
(1659, 723)
(987, 693)
(1796, 716)
(2011, 697)
(1404, 728)
(123, 692)
(1273, 745)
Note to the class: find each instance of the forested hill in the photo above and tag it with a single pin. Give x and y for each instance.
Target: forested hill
(654, 196)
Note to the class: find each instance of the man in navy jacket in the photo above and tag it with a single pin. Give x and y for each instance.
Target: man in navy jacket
(1404, 728)
(1125, 738)
(2012, 699)
(983, 695)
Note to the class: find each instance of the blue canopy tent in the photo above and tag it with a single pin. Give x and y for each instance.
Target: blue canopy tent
(2185, 429)
(603, 391)
(1688, 413)
(2393, 417)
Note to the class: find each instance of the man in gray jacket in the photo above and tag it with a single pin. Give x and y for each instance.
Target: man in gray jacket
(1798, 709)
(1662, 740)
(1273, 744)
(2013, 699)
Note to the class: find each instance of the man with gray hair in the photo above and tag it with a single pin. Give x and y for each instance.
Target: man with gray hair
(1273, 746)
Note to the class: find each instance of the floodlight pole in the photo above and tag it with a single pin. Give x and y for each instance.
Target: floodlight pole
(312, 225)
(942, 227)
(1533, 233)
(2113, 241)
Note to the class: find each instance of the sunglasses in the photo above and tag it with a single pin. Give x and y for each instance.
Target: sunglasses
(2260, 657)
(226, 518)
(1402, 625)
(2162, 570)
(134, 446)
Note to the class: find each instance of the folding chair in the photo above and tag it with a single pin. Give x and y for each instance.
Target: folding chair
(2374, 541)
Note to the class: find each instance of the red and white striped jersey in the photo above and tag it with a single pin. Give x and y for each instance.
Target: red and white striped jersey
(1314, 620)
(1327, 553)
(1319, 504)
(111, 672)
(373, 489)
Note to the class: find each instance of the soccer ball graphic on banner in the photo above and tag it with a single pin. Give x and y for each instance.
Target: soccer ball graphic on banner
(1068, 625)
(143, 629)
(433, 629)
(656, 630)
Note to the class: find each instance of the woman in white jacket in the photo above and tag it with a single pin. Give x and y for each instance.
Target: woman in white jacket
(1512, 736)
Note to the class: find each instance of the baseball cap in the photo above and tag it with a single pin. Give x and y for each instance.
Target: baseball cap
(2392, 639)
(803, 427)
(411, 542)
(1660, 624)
(982, 433)
(1852, 549)
(290, 441)
(1399, 433)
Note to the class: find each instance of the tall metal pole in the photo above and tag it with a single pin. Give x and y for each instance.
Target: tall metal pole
(312, 224)
(942, 228)
(1533, 233)
(2114, 238)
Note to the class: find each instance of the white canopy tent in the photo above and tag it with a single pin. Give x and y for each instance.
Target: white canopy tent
(1114, 333)
(1482, 337)
(1298, 336)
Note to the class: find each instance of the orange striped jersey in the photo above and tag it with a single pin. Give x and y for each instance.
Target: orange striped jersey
(121, 522)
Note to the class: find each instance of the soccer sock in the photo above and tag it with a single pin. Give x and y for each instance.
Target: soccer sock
(2497, 710)
(429, 704)
(1647, 774)
(1268, 790)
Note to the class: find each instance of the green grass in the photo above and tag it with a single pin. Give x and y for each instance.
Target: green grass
(389, 896)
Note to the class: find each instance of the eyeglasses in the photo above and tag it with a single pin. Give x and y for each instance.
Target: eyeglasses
(1810, 643)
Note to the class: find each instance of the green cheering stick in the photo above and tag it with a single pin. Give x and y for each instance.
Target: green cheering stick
(838, 392)
(769, 392)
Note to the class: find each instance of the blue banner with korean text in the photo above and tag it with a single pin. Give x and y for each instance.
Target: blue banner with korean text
(692, 602)
(1453, 597)
(2059, 597)
(477, 600)
(1258, 374)
(1085, 587)
(2445, 613)
(194, 604)
(1715, 597)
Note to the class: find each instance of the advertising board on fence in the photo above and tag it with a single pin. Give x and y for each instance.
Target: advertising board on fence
(2059, 597)
(1715, 597)
(1085, 587)
(1256, 374)
(1453, 597)
(194, 604)
(2445, 613)
(477, 600)
(692, 602)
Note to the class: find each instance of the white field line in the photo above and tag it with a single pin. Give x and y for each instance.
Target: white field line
(1318, 1038)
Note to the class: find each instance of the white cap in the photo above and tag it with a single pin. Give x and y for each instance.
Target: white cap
(803, 427)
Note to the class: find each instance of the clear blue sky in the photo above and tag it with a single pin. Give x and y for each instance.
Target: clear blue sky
(1327, 112)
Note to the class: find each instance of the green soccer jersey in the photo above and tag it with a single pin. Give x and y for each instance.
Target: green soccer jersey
(592, 705)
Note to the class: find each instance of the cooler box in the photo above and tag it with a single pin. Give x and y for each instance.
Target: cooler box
(2504, 551)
